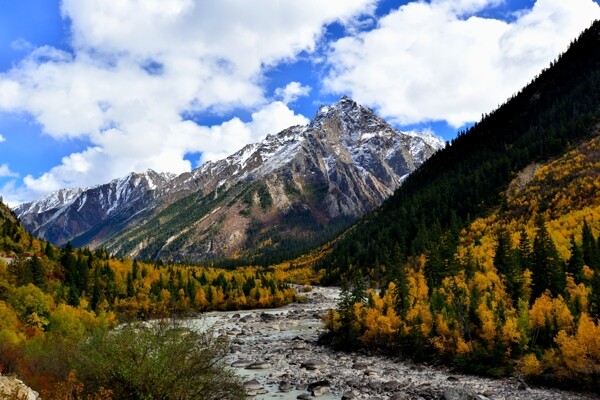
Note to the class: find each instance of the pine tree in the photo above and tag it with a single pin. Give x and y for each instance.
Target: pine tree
(576, 261)
(401, 293)
(135, 270)
(358, 291)
(49, 251)
(130, 288)
(547, 267)
(503, 258)
(595, 295)
(82, 274)
(37, 272)
(524, 250)
(507, 262)
(591, 253)
(95, 297)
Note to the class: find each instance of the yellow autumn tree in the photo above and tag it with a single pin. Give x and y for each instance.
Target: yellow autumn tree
(580, 353)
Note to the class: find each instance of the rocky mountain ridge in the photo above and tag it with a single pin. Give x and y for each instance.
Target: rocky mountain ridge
(341, 165)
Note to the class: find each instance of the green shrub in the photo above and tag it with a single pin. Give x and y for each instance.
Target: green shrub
(157, 361)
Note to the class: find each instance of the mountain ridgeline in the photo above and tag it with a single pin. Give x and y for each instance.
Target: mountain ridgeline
(265, 203)
(467, 178)
(488, 256)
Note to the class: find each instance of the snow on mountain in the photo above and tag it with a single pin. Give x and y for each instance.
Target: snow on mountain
(349, 154)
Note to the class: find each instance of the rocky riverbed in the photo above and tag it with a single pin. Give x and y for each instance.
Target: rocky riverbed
(276, 353)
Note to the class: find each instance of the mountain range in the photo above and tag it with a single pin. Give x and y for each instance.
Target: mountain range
(271, 199)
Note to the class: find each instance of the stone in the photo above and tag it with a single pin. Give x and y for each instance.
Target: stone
(252, 384)
(285, 386)
(312, 365)
(319, 388)
(390, 386)
(267, 317)
(241, 363)
(350, 395)
(523, 385)
(361, 365)
(259, 365)
(304, 396)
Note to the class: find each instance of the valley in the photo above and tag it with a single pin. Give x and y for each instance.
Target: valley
(466, 270)
(275, 351)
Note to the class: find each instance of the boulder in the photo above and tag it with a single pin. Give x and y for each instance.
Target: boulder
(319, 388)
(390, 386)
(523, 385)
(266, 317)
(259, 365)
(11, 387)
(241, 363)
(285, 386)
(361, 365)
(312, 365)
(252, 384)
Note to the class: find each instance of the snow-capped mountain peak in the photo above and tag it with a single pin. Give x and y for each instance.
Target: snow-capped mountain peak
(344, 163)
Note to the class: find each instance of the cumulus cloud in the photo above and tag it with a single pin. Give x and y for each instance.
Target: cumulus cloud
(437, 60)
(292, 91)
(136, 68)
(119, 152)
(5, 172)
(2, 138)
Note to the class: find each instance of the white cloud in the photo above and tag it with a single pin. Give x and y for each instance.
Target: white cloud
(292, 91)
(22, 44)
(118, 152)
(436, 61)
(5, 172)
(2, 138)
(137, 66)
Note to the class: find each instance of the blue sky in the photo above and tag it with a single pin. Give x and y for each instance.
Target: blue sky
(90, 91)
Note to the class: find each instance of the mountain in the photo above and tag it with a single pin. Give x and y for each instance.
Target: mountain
(63, 215)
(488, 256)
(294, 189)
(466, 179)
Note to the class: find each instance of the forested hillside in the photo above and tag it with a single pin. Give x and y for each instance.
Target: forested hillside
(54, 301)
(488, 257)
(465, 179)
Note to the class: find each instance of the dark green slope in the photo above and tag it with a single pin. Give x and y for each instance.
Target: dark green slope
(14, 239)
(559, 108)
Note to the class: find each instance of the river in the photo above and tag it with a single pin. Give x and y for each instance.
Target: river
(276, 354)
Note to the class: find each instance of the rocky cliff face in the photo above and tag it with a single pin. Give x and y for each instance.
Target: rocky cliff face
(293, 189)
(64, 215)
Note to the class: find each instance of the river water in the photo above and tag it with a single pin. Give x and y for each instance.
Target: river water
(281, 345)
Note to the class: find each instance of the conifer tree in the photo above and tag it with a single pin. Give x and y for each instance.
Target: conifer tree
(401, 304)
(576, 260)
(524, 250)
(358, 291)
(130, 288)
(38, 277)
(595, 295)
(591, 253)
(547, 267)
